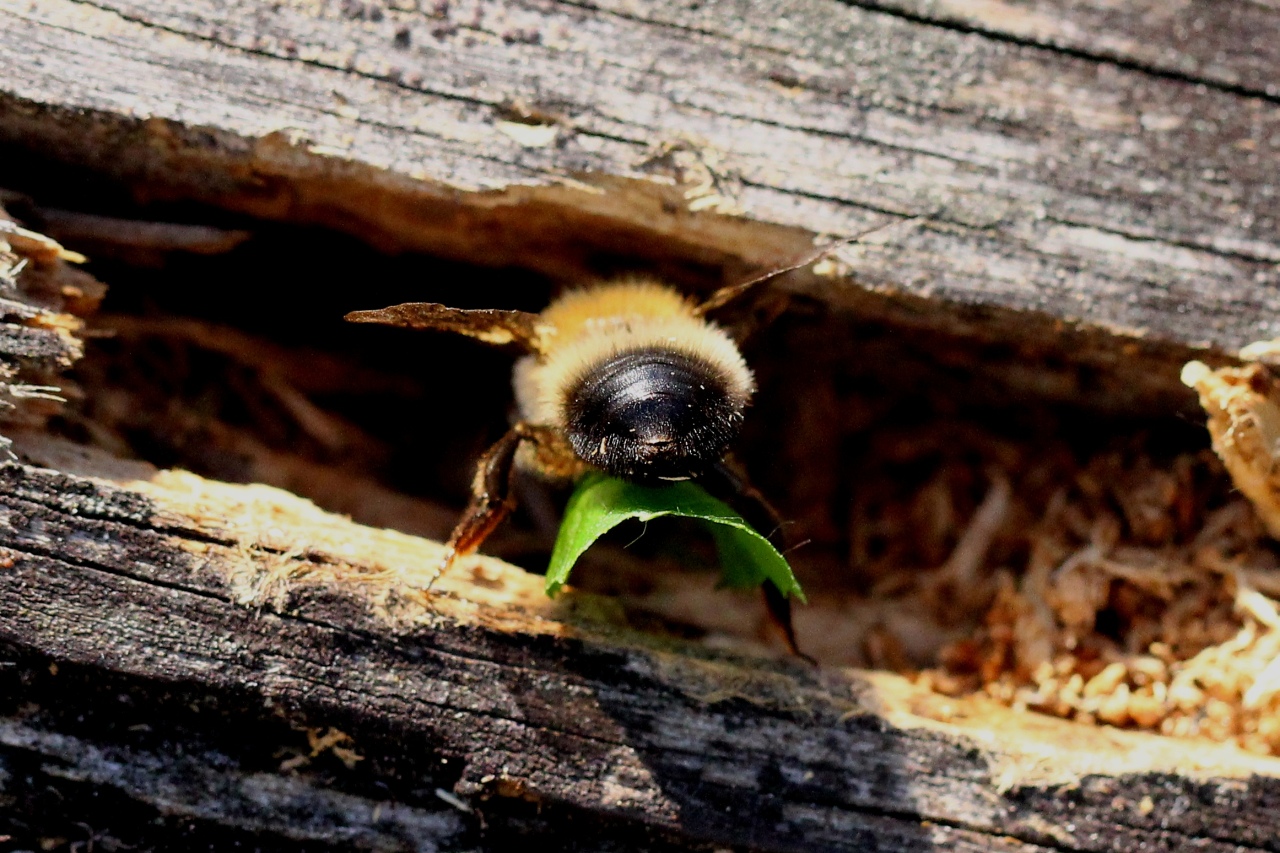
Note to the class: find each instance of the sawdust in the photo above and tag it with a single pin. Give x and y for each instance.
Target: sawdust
(1148, 596)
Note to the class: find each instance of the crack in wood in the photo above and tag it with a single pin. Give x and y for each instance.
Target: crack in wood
(903, 9)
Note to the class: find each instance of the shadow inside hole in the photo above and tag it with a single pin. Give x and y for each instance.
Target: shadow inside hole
(855, 418)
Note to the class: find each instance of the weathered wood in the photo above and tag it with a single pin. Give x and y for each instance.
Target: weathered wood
(495, 694)
(1058, 187)
(1231, 45)
(1119, 215)
(42, 296)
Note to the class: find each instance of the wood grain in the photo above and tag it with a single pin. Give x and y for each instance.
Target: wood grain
(1227, 45)
(1058, 187)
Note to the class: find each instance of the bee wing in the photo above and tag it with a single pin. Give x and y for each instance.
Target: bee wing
(519, 328)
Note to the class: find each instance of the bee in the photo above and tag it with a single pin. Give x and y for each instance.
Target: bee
(628, 377)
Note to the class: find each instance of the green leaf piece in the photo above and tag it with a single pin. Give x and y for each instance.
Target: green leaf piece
(600, 503)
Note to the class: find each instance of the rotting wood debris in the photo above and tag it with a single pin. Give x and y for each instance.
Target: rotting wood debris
(1119, 586)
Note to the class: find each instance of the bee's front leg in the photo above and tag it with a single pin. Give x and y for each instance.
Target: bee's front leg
(492, 499)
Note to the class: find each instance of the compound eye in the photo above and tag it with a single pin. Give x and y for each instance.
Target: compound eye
(652, 415)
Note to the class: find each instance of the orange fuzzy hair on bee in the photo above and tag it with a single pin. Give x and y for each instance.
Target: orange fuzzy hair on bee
(587, 327)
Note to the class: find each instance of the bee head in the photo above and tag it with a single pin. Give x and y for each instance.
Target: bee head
(653, 414)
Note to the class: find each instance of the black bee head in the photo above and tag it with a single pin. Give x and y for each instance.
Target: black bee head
(652, 414)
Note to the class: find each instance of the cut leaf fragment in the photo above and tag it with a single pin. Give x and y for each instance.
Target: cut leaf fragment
(600, 503)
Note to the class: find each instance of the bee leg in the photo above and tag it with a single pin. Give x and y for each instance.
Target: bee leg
(761, 515)
(492, 499)
(778, 607)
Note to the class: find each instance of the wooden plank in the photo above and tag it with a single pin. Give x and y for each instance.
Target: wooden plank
(195, 799)
(1232, 45)
(1058, 188)
(175, 588)
(1121, 217)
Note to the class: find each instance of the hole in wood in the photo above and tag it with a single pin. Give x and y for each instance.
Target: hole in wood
(990, 512)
